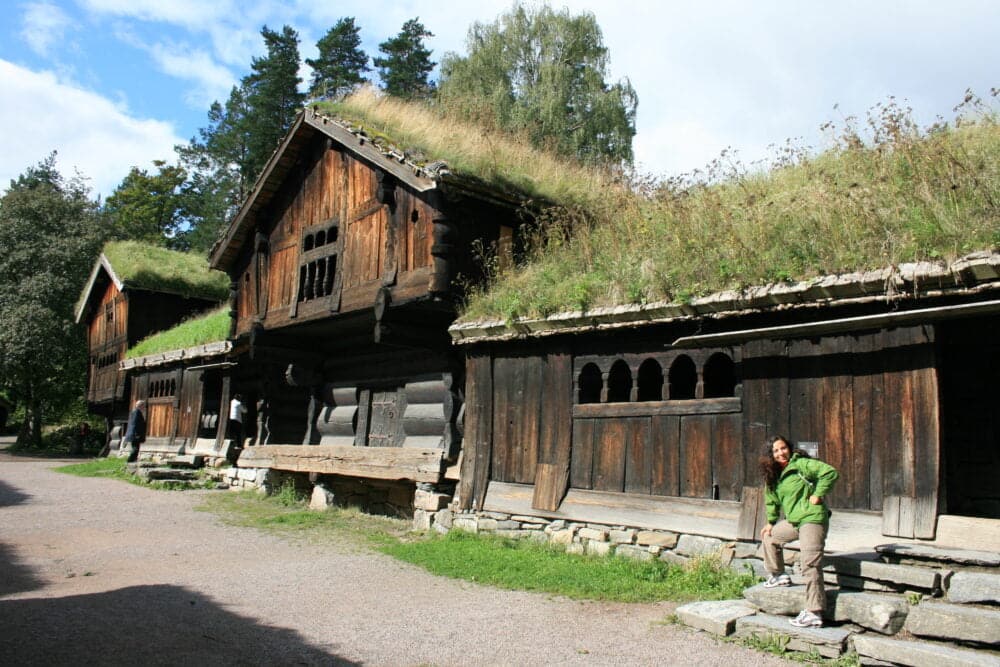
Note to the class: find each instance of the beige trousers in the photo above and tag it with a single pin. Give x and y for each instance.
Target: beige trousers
(812, 539)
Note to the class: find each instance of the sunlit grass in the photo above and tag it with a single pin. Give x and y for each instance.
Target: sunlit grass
(199, 330)
(145, 266)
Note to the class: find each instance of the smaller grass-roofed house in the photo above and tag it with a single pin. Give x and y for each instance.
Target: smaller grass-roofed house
(133, 291)
(182, 374)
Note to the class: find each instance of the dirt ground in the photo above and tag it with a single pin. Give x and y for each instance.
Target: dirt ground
(99, 572)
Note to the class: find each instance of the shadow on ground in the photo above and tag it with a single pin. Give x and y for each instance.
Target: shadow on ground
(146, 625)
(15, 577)
(10, 496)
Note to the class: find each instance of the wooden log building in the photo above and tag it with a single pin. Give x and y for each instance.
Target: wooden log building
(346, 262)
(655, 416)
(133, 291)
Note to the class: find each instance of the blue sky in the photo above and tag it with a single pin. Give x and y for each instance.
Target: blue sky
(115, 83)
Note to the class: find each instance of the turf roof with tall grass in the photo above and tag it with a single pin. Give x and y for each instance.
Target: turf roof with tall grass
(885, 192)
(211, 327)
(144, 266)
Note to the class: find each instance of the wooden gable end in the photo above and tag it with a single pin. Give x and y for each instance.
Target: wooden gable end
(107, 341)
(337, 231)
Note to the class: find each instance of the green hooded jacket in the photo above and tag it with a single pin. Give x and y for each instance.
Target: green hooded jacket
(801, 478)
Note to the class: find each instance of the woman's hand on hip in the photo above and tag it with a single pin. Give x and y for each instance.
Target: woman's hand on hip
(766, 531)
(815, 500)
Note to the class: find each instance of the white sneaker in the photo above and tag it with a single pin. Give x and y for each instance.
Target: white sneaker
(778, 580)
(807, 619)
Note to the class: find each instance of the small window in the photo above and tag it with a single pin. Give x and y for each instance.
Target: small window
(415, 216)
(590, 384)
(619, 383)
(650, 380)
(683, 378)
(720, 376)
(308, 243)
(320, 238)
(331, 235)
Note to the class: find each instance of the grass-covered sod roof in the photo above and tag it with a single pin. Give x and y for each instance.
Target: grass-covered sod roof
(143, 266)
(211, 327)
(884, 193)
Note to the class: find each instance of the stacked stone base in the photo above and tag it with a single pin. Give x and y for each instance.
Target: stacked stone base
(949, 613)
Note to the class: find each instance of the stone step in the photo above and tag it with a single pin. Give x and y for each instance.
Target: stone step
(718, 617)
(882, 613)
(169, 474)
(865, 566)
(828, 642)
(186, 461)
(955, 622)
(981, 587)
(875, 650)
(943, 556)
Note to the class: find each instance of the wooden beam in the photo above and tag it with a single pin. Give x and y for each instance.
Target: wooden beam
(715, 518)
(396, 463)
(701, 406)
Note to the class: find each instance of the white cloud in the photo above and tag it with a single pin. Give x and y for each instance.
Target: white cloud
(40, 113)
(44, 25)
(212, 81)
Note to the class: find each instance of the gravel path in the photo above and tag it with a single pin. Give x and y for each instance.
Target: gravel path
(97, 571)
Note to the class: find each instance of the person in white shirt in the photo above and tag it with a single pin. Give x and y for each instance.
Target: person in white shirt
(237, 412)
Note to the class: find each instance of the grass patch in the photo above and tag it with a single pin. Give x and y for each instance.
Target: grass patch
(145, 266)
(287, 512)
(199, 330)
(523, 565)
(115, 468)
(777, 644)
(105, 467)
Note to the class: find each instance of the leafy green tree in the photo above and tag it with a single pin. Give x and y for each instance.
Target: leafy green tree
(543, 73)
(149, 207)
(341, 64)
(50, 232)
(407, 63)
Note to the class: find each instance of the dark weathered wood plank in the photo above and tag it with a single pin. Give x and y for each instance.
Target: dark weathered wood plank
(395, 463)
(555, 429)
(696, 457)
(478, 431)
(582, 457)
(528, 431)
(609, 455)
(702, 406)
(666, 467)
(858, 467)
(727, 461)
(752, 513)
(638, 455)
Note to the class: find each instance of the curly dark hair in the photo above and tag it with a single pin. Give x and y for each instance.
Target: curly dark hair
(770, 470)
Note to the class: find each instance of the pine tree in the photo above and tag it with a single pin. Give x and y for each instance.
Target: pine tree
(341, 64)
(543, 73)
(227, 156)
(407, 63)
(273, 97)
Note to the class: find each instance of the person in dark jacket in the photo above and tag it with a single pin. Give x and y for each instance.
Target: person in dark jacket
(135, 431)
(795, 484)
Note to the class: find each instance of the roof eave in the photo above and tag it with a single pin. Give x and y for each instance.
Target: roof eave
(102, 262)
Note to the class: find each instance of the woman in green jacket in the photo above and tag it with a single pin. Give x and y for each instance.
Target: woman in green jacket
(795, 484)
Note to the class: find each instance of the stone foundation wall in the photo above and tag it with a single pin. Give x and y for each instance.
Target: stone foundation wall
(596, 539)
(373, 496)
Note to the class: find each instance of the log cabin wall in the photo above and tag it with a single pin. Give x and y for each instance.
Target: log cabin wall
(692, 423)
(871, 402)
